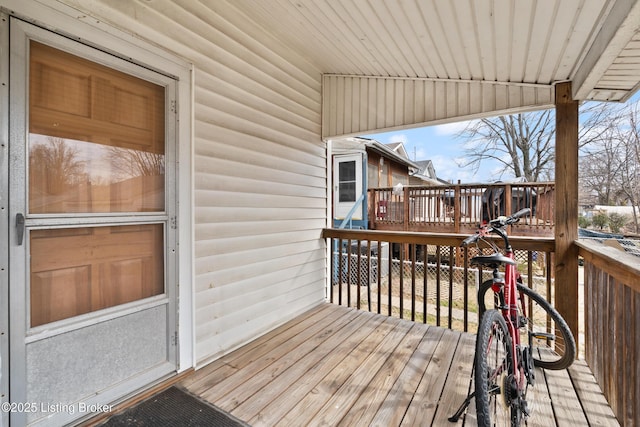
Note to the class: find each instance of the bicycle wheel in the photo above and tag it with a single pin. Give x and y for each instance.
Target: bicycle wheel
(497, 401)
(553, 344)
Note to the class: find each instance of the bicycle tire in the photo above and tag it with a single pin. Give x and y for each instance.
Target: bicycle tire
(494, 372)
(556, 354)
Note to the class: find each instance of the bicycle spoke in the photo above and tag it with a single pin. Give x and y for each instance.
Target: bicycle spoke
(493, 370)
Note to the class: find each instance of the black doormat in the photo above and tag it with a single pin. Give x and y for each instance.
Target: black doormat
(174, 407)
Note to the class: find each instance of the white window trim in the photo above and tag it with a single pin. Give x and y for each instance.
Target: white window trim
(67, 21)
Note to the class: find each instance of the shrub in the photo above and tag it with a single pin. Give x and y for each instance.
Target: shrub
(617, 221)
(583, 221)
(600, 220)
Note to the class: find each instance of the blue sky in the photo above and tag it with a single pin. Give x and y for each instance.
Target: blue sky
(438, 144)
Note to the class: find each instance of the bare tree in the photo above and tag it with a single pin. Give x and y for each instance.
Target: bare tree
(600, 167)
(131, 163)
(610, 167)
(524, 144)
(629, 141)
(56, 164)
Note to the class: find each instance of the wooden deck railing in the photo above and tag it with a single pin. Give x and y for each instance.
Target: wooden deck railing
(425, 277)
(460, 208)
(612, 326)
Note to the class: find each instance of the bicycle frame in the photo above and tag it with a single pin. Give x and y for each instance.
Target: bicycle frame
(510, 293)
(510, 314)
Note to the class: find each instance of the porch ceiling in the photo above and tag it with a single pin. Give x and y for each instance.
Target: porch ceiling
(594, 43)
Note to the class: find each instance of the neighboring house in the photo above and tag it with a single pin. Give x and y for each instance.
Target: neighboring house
(425, 175)
(360, 164)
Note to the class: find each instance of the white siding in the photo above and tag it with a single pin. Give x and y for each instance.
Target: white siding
(355, 105)
(260, 166)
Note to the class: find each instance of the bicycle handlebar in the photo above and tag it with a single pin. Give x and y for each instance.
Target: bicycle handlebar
(471, 239)
(496, 226)
(502, 221)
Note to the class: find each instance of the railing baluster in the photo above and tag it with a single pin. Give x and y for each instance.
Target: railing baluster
(379, 274)
(369, 246)
(348, 273)
(549, 298)
(425, 274)
(413, 282)
(401, 253)
(359, 273)
(335, 276)
(451, 262)
(438, 265)
(340, 270)
(390, 280)
(530, 283)
(465, 282)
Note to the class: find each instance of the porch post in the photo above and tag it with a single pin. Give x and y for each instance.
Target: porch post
(566, 206)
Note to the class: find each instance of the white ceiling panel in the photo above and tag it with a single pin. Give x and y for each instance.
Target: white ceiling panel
(532, 42)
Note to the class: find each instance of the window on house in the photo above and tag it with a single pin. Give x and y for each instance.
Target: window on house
(347, 181)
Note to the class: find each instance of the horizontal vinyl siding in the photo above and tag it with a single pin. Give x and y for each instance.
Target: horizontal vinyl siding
(260, 182)
(355, 105)
(260, 167)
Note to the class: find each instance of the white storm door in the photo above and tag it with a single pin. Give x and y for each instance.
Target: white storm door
(347, 185)
(92, 237)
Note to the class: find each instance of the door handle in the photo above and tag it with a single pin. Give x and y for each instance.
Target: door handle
(20, 228)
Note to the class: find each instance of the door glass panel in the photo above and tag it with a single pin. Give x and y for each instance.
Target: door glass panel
(96, 145)
(96, 137)
(347, 181)
(79, 270)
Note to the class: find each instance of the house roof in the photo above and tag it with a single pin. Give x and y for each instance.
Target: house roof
(427, 169)
(394, 151)
(388, 152)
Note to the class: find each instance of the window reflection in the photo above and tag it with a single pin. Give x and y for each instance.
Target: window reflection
(70, 176)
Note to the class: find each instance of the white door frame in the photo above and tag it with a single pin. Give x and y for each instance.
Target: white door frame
(341, 209)
(65, 19)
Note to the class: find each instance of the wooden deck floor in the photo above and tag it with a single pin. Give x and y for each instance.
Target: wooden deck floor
(339, 366)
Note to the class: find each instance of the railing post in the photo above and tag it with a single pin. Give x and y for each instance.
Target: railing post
(566, 206)
(405, 214)
(457, 220)
(508, 202)
(405, 226)
(457, 216)
(372, 207)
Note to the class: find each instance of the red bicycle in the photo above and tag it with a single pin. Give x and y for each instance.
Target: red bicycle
(518, 330)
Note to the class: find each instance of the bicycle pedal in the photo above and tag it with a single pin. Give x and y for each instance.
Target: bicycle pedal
(542, 335)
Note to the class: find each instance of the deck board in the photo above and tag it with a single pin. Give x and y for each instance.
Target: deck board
(593, 402)
(340, 366)
(294, 379)
(393, 409)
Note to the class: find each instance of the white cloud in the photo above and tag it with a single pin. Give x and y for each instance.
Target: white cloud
(398, 137)
(450, 129)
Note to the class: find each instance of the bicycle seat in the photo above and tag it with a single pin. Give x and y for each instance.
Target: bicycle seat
(493, 260)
